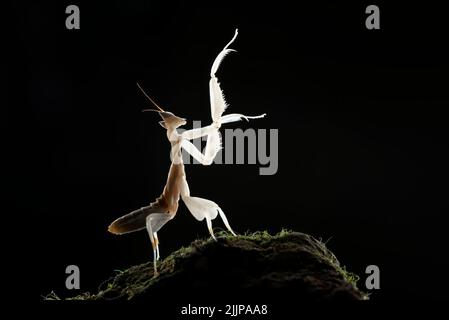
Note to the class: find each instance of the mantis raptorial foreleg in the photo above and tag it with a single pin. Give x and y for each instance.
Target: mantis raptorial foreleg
(154, 216)
(205, 159)
(218, 106)
(213, 144)
(199, 132)
(218, 102)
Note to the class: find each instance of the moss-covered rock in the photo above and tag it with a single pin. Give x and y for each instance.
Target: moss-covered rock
(288, 260)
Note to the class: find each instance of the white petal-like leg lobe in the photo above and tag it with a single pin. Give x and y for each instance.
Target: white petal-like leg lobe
(206, 209)
(201, 208)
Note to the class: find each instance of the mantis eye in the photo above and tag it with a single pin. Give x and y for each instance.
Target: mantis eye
(162, 123)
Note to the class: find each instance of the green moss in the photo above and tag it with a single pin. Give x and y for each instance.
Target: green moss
(51, 296)
(134, 281)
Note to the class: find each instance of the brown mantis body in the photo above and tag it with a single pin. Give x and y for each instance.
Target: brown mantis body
(154, 216)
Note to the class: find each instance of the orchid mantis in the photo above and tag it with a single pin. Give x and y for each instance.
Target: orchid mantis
(158, 213)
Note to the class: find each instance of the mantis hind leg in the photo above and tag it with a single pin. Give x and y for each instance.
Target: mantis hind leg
(154, 222)
(225, 220)
(203, 209)
(156, 240)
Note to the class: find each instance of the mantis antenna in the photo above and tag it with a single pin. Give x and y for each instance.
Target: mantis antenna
(148, 97)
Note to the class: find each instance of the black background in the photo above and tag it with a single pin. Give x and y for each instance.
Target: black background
(361, 116)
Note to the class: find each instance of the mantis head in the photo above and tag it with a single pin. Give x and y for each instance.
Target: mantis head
(170, 121)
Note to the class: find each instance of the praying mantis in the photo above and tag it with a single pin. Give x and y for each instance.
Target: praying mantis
(154, 216)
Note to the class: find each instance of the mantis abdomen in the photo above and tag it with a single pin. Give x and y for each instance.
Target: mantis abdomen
(167, 203)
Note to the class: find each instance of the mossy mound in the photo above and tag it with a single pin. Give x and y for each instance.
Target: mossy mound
(287, 260)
